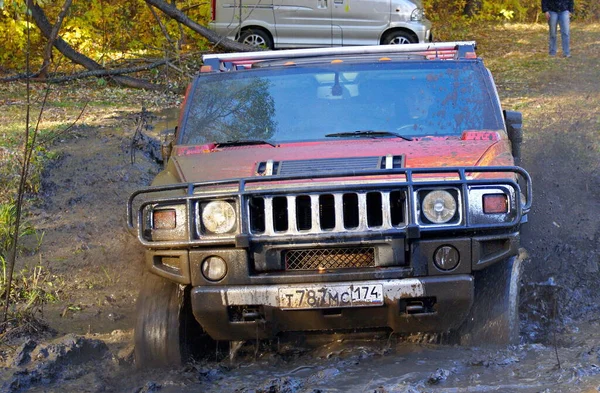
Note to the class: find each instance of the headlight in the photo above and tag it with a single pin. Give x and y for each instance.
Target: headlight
(218, 217)
(439, 206)
(417, 14)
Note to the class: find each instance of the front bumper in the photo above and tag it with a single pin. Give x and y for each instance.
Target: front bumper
(434, 304)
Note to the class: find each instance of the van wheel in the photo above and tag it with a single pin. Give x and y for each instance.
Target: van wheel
(256, 37)
(166, 333)
(494, 317)
(399, 38)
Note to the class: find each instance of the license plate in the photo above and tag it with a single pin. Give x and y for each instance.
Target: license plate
(314, 296)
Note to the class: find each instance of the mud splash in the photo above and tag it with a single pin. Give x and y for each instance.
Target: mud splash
(394, 365)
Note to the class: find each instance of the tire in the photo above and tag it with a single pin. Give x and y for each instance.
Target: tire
(166, 333)
(398, 38)
(256, 37)
(494, 317)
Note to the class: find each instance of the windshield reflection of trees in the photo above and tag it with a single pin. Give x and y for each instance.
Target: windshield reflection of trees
(307, 104)
(237, 109)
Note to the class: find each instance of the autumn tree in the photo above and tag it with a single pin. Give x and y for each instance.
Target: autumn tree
(53, 34)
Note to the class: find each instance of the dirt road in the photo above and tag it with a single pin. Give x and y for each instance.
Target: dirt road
(87, 246)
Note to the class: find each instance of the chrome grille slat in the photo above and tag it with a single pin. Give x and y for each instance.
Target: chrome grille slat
(362, 212)
(293, 223)
(351, 211)
(314, 208)
(269, 229)
(386, 209)
(339, 213)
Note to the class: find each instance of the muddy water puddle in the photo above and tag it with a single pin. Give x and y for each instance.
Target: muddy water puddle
(101, 363)
(385, 365)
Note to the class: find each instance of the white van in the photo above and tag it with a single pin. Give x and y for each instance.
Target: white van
(321, 23)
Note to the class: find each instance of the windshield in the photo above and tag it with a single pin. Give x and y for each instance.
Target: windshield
(306, 103)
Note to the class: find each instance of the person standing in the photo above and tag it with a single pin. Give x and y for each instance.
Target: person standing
(558, 12)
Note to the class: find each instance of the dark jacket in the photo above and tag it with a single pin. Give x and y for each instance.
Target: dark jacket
(557, 5)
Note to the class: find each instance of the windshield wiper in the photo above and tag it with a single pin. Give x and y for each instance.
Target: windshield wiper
(368, 134)
(244, 142)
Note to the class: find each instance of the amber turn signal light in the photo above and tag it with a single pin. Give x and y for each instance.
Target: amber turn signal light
(164, 219)
(495, 204)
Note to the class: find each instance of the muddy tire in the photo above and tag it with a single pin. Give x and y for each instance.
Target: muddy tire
(166, 333)
(494, 317)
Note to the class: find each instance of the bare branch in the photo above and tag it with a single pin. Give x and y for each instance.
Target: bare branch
(45, 27)
(161, 25)
(52, 38)
(106, 72)
(210, 35)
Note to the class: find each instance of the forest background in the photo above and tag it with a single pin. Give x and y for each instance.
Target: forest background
(117, 32)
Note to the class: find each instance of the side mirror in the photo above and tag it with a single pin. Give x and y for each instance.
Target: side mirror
(514, 127)
(167, 145)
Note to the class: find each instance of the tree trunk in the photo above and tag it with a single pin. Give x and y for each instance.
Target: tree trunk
(45, 27)
(210, 35)
(52, 38)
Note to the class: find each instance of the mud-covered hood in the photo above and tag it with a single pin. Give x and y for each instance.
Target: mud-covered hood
(206, 163)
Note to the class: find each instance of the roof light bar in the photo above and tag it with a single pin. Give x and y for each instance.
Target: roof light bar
(431, 48)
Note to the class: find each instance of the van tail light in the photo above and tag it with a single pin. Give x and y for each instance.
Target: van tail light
(213, 8)
(495, 204)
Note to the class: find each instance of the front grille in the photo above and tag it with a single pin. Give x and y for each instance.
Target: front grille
(330, 258)
(327, 212)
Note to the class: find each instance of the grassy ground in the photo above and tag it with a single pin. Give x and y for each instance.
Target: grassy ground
(70, 112)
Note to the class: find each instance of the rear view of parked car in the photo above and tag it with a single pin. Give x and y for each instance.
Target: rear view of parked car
(278, 24)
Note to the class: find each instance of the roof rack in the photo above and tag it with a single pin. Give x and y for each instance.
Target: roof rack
(432, 51)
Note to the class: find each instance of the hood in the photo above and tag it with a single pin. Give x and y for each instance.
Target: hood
(207, 163)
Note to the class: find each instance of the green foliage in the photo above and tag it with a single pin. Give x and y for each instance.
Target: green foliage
(10, 171)
(113, 30)
(31, 287)
(8, 212)
(104, 30)
(449, 13)
(587, 9)
(507, 14)
(514, 10)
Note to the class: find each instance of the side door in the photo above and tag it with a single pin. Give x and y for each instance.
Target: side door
(361, 21)
(303, 23)
(233, 15)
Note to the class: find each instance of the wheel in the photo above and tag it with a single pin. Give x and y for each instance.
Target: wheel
(399, 37)
(494, 317)
(256, 37)
(166, 333)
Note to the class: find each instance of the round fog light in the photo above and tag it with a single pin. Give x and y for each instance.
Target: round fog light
(446, 258)
(214, 268)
